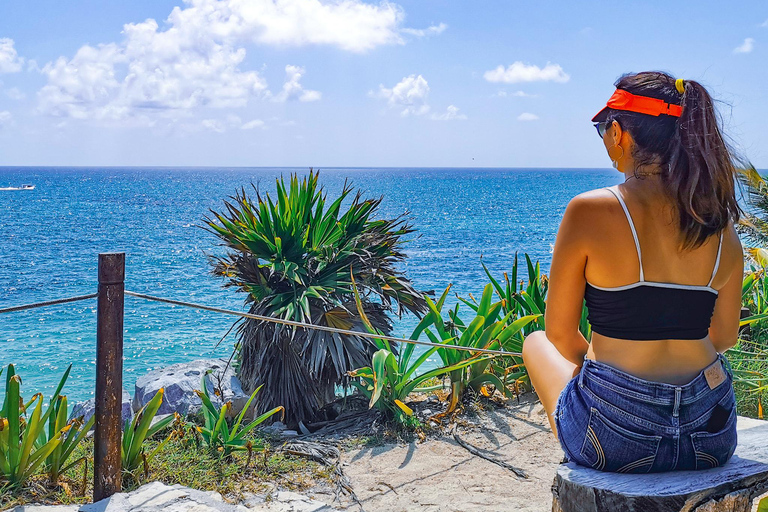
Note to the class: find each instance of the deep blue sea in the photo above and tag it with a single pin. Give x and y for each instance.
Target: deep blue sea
(50, 238)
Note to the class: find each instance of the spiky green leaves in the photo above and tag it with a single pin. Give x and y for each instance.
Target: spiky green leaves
(293, 255)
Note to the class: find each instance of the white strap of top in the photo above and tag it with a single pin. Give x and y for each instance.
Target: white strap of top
(634, 233)
(637, 242)
(717, 261)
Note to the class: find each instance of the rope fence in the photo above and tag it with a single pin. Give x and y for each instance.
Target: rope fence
(110, 309)
(317, 327)
(262, 318)
(48, 303)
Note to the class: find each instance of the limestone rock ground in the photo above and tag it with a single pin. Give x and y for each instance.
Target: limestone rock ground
(436, 475)
(157, 497)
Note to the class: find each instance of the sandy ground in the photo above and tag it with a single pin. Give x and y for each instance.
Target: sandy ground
(440, 475)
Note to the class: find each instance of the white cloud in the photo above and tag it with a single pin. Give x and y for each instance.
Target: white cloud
(195, 62)
(747, 46)
(432, 30)
(520, 72)
(150, 73)
(410, 94)
(15, 94)
(10, 62)
(250, 125)
(516, 94)
(214, 125)
(351, 25)
(5, 118)
(293, 90)
(452, 112)
(765, 24)
(527, 116)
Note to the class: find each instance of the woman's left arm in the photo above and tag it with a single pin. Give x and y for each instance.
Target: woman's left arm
(567, 281)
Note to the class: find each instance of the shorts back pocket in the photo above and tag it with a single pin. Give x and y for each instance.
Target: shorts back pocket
(713, 449)
(610, 447)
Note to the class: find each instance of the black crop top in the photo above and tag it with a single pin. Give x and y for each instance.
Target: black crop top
(650, 310)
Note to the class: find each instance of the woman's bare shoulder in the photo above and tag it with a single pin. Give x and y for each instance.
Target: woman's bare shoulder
(732, 249)
(593, 204)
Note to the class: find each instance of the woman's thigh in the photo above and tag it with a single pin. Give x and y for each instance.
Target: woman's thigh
(548, 369)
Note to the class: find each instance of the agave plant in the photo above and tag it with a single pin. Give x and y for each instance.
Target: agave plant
(390, 378)
(76, 430)
(140, 429)
(217, 434)
(530, 299)
(292, 256)
(488, 330)
(20, 458)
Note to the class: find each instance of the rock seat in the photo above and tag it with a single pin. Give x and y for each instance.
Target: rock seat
(729, 488)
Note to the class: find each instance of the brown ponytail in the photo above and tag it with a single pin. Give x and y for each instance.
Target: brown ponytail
(698, 166)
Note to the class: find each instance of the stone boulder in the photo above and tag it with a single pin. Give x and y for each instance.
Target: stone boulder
(180, 382)
(87, 408)
(158, 497)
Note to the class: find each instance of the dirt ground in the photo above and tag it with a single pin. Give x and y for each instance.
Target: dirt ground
(441, 475)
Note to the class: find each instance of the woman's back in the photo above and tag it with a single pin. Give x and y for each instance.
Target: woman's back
(673, 292)
(650, 390)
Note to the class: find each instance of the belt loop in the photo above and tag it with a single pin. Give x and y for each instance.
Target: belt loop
(726, 364)
(676, 409)
(581, 372)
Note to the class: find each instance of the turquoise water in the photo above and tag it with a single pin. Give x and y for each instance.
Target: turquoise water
(51, 237)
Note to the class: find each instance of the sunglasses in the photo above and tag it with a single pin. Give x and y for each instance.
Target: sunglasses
(601, 128)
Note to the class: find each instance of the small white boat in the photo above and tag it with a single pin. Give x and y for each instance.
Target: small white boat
(23, 187)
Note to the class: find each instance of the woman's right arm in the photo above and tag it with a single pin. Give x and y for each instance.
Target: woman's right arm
(724, 328)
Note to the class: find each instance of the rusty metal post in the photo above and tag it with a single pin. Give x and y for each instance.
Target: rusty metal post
(109, 376)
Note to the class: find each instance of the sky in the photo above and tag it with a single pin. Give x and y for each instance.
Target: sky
(346, 83)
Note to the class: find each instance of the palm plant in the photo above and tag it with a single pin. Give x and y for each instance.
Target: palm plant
(292, 256)
(754, 225)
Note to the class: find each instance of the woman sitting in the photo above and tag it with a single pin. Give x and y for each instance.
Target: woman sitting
(659, 264)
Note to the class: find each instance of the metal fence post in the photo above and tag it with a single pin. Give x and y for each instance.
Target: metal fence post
(109, 376)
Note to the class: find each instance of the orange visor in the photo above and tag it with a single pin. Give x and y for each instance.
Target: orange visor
(624, 100)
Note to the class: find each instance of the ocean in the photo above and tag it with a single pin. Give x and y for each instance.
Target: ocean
(50, 238)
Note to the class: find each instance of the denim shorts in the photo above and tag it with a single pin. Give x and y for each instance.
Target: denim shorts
(609, 420)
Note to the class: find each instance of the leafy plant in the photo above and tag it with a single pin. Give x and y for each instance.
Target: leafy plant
(754, 224)
(292, 256)
(218, 436)
(749, 358)
(488, 330)
(19, 457)
(530, 299)
(389, 379)
(138, 430)
(56, 462)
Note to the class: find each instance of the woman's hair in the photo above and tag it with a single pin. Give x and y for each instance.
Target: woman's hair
(698, 166)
